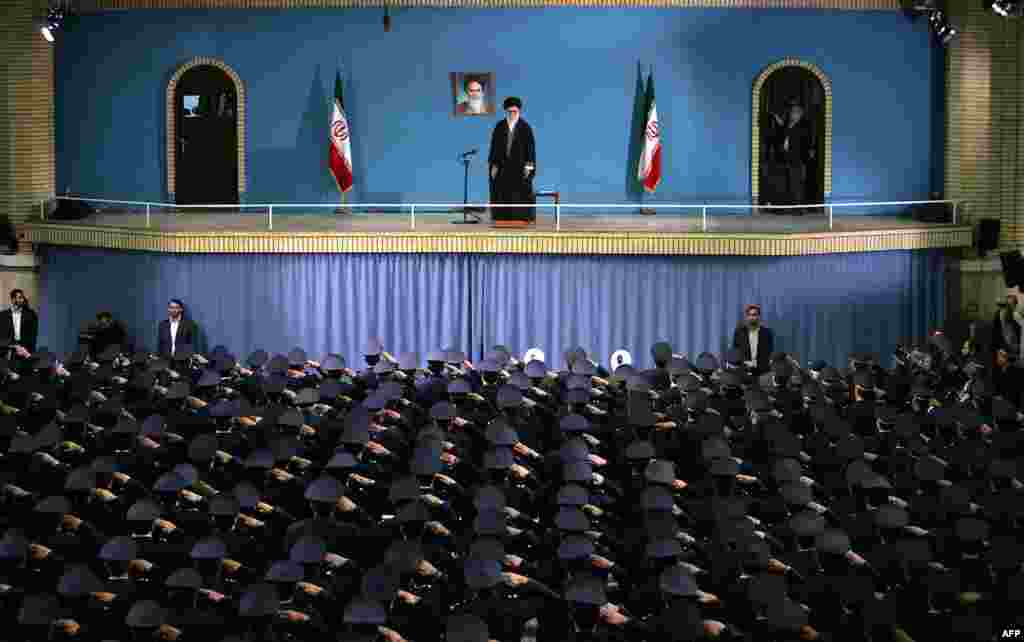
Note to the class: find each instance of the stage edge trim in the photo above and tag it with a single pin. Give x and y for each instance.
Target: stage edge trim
(625, 243)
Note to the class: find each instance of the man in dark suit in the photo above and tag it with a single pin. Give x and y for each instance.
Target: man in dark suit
(176, 331)
(19, 326)
(754, 341)
(1007, 378)
(1006, 329)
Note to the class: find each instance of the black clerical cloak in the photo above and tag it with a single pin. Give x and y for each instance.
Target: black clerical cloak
(801, 143)
(511, 184)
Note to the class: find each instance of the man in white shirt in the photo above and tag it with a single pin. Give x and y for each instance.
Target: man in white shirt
(16, 321)
(754, 341)
(175, 332)
(19, 326)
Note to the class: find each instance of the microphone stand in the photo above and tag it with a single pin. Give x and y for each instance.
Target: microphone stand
(467, 211)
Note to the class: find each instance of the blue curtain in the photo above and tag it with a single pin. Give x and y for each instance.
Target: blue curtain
(319, 302)
(819, 306)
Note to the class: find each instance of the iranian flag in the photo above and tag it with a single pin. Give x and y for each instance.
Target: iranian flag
(341, 146)
(649, 169)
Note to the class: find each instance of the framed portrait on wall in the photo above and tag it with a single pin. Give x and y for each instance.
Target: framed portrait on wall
(472, 93)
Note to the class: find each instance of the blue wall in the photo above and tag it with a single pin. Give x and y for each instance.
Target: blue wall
(576, 70)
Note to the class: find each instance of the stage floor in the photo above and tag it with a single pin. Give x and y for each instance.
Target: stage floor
(597, 233)
(291, 222)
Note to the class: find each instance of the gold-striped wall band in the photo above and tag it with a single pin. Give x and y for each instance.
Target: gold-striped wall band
(528, 242)
(171, 123)
(850, 5)
(755, 120)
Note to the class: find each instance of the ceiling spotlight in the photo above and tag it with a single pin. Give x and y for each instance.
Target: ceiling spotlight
(1007, 8)
(53, 23)
(944, 32)
(938, 21)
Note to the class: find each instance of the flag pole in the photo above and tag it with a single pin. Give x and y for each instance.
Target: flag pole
(643, 142)
(344, 194)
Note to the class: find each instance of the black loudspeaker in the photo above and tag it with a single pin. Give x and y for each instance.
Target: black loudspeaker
(933, 213)
(1013, 268)
(988, 235)
(71, 211)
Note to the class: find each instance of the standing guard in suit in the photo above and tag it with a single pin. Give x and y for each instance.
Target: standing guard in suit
(176, 331)
(754, 341)
(19, 326)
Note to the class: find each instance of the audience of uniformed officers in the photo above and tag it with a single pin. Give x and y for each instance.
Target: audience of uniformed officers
(278, 497)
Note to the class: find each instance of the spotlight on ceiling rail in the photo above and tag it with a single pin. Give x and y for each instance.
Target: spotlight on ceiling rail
(57, 17)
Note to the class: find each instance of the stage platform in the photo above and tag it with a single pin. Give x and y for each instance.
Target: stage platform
(763, 234)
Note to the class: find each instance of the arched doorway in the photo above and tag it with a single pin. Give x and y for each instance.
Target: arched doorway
(778, 86)
(205, 134)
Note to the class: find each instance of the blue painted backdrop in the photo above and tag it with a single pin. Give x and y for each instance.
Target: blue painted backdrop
(820, 306)
(575, 69)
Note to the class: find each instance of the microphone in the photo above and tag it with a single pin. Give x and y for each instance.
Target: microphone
(471, 152)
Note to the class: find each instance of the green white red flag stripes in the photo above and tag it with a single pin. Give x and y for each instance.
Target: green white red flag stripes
(340, 157)
(649, 169)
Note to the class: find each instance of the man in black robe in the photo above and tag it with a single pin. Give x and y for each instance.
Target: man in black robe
(794, 143)
(512, 162)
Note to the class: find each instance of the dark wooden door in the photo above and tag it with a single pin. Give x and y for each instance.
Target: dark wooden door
(207, 154)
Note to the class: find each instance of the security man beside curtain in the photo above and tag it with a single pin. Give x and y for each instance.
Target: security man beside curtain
(176, 331)
(19, 326)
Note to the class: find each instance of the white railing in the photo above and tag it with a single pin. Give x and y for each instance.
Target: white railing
(457, 208)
